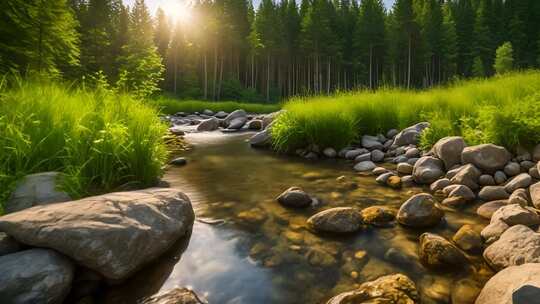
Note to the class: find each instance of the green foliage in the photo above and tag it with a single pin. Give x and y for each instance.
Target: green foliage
(504, 60)
(170, 105)
(37, 35)
(141, 66)
(101, 140)
(478, 68)
(502, 110)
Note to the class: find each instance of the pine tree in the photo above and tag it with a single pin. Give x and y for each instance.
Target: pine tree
(450, 43)
(484, 46)
(464, 17)
(369, 39)
(38, 35)
(162, 34)
(478, 67)
(504, 60)
(141, 67)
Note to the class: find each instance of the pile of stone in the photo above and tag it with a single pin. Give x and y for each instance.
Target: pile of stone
(52, 248)
(209, 121)
(457, 175)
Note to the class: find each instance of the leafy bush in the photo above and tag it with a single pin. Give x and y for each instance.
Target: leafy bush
(100, 139)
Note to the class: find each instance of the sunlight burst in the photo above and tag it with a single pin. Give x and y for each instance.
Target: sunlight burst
(177, 10)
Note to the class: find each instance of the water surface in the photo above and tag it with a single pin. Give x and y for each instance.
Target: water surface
(256, 251)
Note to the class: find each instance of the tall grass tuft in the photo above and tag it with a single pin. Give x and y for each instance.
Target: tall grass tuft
(99, 139)
(169, 105)
(502, 110)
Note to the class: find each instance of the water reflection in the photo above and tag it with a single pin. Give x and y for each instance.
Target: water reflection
(264, 253)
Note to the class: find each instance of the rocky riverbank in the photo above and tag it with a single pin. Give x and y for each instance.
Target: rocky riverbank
(457, 175)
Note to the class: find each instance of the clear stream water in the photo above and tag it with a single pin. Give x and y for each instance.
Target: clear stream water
(247, 249)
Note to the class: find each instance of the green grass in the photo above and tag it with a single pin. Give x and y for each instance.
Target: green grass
(502, 110)
(169, 105)
(99, 139)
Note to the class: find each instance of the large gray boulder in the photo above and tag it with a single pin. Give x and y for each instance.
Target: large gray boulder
(517, 245)
(336, 220)
(506, 287)
(35, 276)
(410, 135)
(395, 289)
(114, 234)
(36, 189)
(209, 124)
(419, 211)
(534, 190)
(427, 170)
(435, 251)
(175, 296)
(448, 149)
(467, 175)
(487, 157)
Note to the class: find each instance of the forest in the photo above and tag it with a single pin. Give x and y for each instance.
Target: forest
(230, 50)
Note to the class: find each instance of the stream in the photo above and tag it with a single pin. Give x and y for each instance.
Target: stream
(245, 248)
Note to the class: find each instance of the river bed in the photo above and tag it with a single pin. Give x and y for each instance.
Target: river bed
(245, 248)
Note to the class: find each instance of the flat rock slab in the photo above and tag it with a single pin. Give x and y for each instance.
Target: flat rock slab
(35, 276)
(114, 234)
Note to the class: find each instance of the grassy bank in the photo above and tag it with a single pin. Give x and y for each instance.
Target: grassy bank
(101, 140)
(502, 110)
(170, 106)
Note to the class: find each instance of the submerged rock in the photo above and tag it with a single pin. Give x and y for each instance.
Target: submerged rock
(420, 211)
(114, 234)
(36, 189)
(488, 157)
(336, 220)
(506, 287)
(294, 197)
(175, 296)
(35, 276)
(436, 251)
(395, 289)
(378, 215)
(179, 161)
(468, 239)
